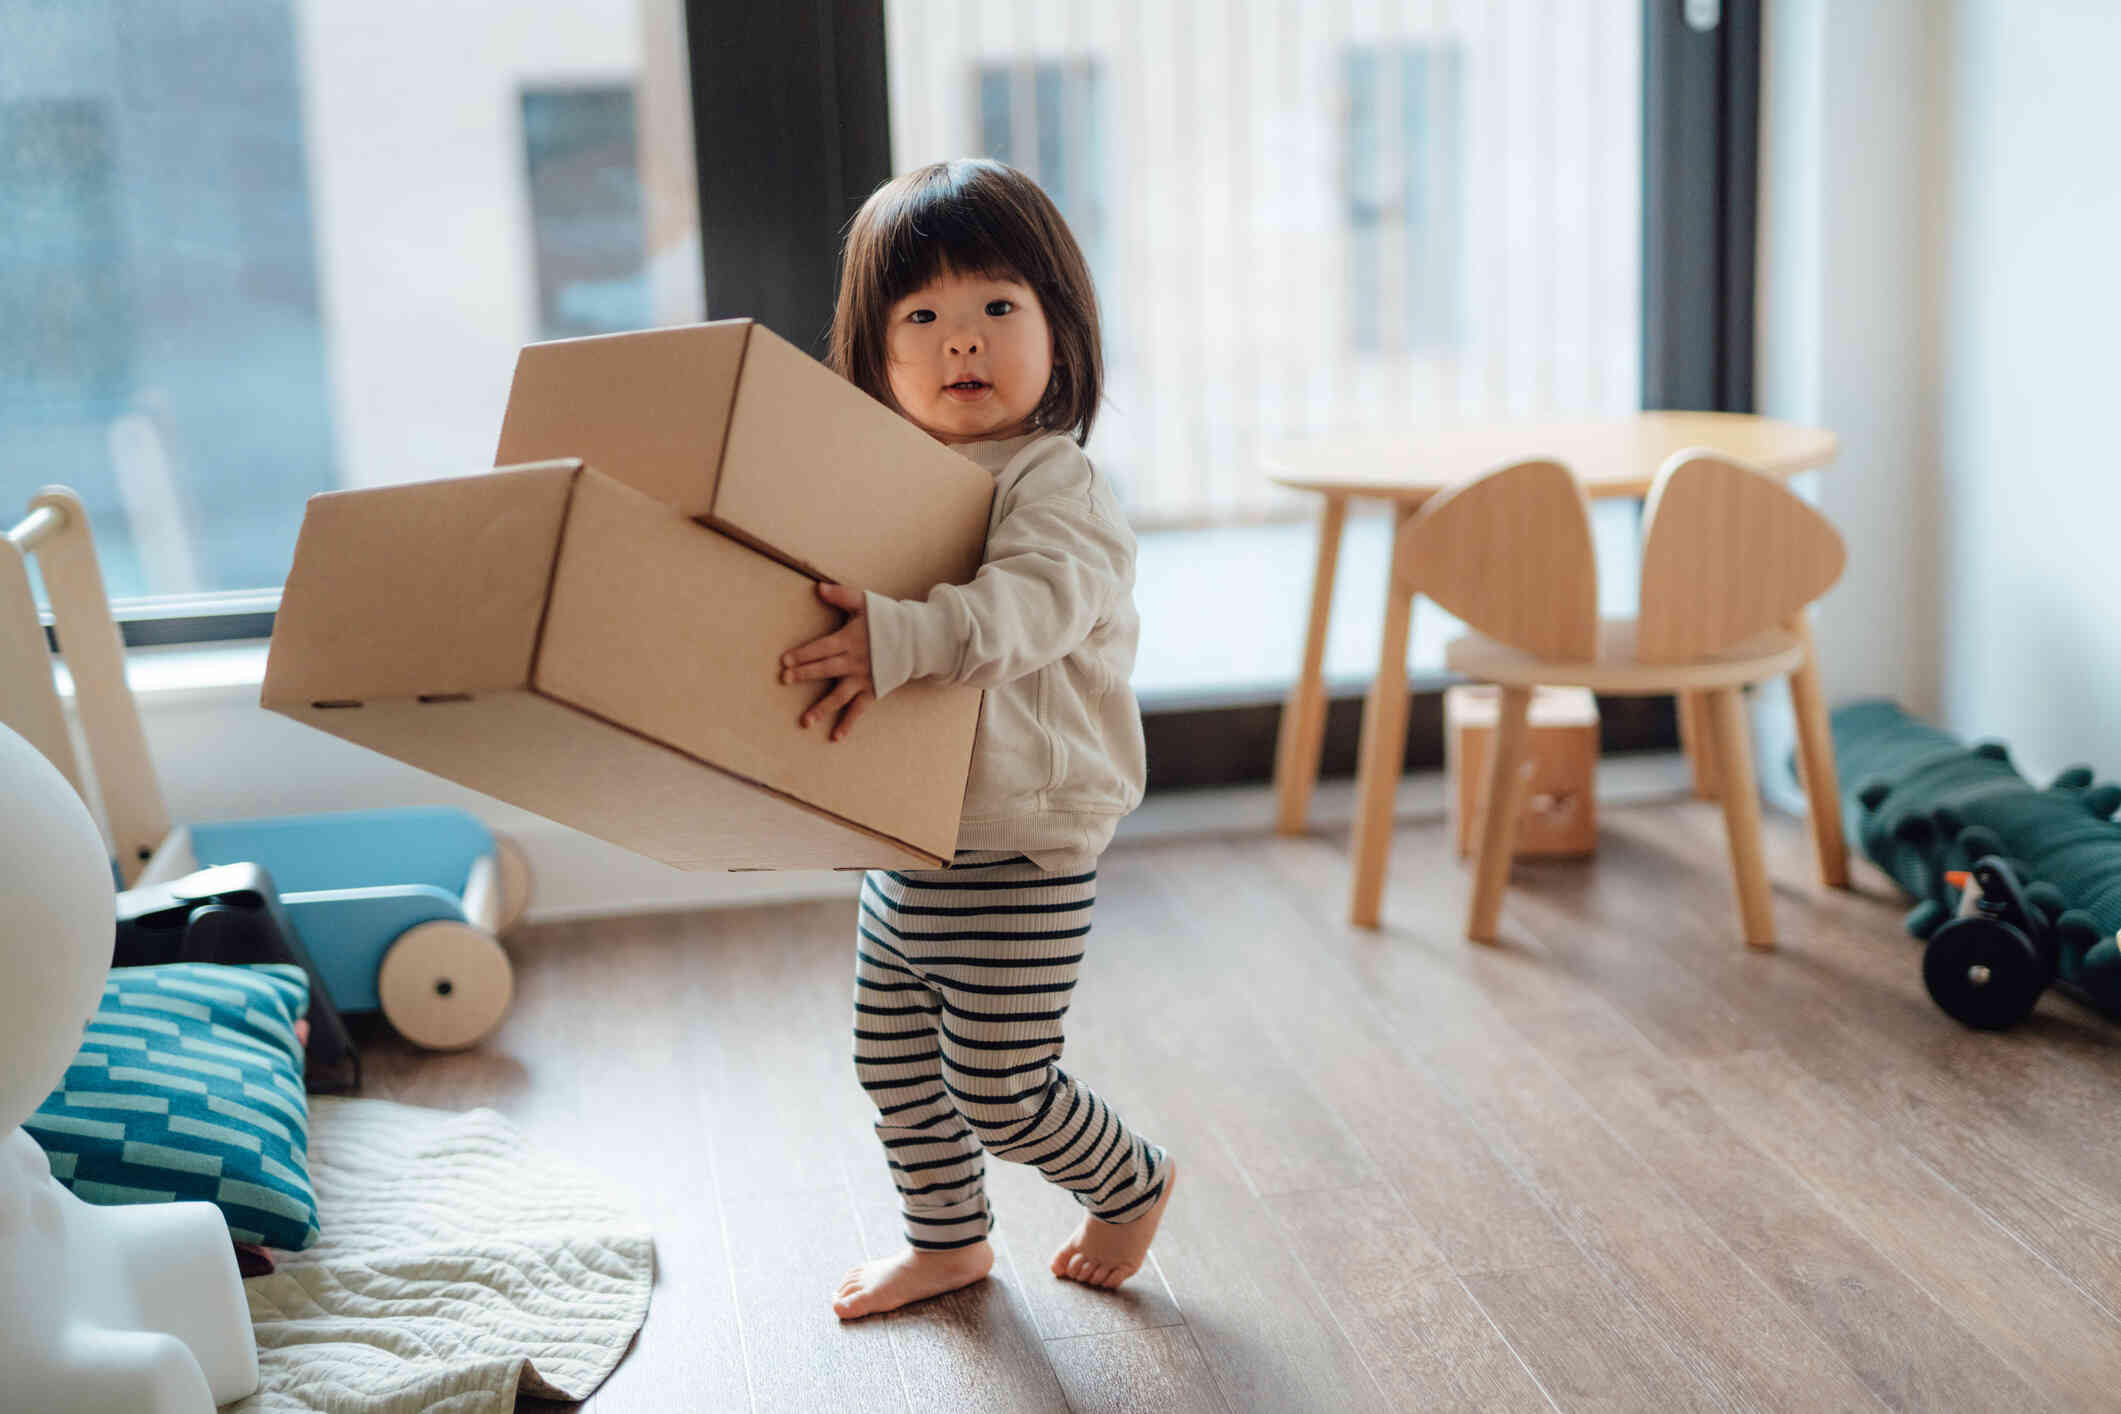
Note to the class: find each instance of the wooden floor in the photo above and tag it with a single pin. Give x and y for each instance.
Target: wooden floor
(1619, 1162)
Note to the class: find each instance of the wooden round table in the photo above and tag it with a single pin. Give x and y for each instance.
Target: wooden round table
(1613, 457)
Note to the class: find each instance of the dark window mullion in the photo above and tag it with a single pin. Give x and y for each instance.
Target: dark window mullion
(1700, 144)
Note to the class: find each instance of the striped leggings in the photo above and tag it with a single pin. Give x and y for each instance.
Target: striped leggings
(962, 976)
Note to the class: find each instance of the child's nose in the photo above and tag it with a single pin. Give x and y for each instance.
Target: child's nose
(965, 344)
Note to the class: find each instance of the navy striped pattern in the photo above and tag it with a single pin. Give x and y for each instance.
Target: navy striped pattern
(962, 978)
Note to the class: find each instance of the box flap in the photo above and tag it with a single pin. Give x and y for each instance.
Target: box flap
(436, 587)
(673, 630)
(649, 408)
(821, 475)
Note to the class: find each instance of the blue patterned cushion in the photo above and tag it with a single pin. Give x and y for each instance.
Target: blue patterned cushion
(188, 1085)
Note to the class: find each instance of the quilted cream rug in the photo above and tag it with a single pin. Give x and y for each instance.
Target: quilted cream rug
(457, 1268)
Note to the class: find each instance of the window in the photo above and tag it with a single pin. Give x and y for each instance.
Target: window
(251, 250)
(1308, 221)
(1047, 119)
(160, 348)
(585, 211)
(1404, 145)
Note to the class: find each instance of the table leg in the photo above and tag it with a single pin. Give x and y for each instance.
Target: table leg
(1815, 755)
(1303, 716)
(1384, 744)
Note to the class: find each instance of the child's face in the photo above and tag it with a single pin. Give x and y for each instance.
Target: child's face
(969, 356)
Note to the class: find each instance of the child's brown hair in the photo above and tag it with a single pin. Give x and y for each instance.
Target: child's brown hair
(971, 217)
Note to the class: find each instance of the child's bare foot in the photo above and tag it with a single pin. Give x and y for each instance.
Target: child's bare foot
(1106, 1254)
(913, 1275)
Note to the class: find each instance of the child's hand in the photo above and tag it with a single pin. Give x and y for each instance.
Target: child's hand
(843, 655)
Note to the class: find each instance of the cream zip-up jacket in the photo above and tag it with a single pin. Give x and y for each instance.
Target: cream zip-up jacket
(1048, 627)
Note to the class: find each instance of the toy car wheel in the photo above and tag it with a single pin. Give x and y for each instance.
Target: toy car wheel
(1984, 973)
(445, 986)
(514, 868)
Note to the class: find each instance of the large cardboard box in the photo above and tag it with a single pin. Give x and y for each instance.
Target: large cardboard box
(571, 645)
(744, 432)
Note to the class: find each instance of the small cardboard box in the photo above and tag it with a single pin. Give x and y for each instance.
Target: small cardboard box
(566, 643)
(742, 431)
(1560, 818)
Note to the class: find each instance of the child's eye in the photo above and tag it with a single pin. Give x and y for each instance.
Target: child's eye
(922, 316)
(996, 308)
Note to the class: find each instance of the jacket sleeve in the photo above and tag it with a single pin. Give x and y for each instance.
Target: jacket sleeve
(1057, 560)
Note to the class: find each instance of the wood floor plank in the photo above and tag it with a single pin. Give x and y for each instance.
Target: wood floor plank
(788, 1108)
(1476, 1212)
(2039, 1079)
(1273, 1121)
(1612, 1164)
(1907, 1349)
(1610, 1336)
(2060, 1342)
(1264, 1328)
(1260, 1322)
(2021, 1151)
(972, 1350)
(610, 1086)
(1712, 1317)
(1125, 1371)
(1989, 1276)
(1423, 1337)
(1033, 1218)
(798, 1354)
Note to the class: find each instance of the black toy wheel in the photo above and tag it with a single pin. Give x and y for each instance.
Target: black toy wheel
(1984, 973)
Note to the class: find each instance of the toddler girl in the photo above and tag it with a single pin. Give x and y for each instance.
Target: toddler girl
(966, 306)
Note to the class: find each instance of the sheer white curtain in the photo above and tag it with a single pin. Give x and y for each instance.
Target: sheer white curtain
(1310, 218)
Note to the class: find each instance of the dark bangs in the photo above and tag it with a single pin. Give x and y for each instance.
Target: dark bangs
(969, 217)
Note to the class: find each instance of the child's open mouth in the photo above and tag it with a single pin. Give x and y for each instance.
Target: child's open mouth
(965, 388)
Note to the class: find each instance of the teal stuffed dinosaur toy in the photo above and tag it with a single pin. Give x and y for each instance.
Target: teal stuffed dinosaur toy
(1926, 808)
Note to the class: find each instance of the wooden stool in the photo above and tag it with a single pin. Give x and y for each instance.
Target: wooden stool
(1559, 818)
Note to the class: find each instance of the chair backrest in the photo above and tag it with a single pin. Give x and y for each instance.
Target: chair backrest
(1727, 552)
(1509, 552)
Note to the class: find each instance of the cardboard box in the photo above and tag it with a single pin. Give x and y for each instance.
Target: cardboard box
(742, 431)
(571, 645)
(1560, 817)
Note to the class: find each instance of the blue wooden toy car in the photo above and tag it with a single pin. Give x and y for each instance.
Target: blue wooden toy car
(400, 909)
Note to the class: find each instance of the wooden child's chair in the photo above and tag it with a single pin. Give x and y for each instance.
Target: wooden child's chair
(1731, 558)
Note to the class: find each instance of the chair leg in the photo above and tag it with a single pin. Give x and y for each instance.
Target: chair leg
(1741, 815)
(1501, 802)
(1815, 753)
(1384, 751)
(1697, 735)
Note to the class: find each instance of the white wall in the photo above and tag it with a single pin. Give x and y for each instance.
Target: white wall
(1939, 215)
(1848, 285)
(2030, 474)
